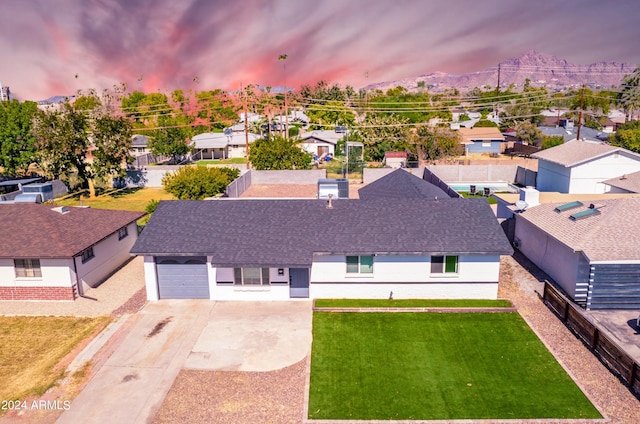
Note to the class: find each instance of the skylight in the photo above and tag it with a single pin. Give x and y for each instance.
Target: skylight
(568, 206)
(583, 214)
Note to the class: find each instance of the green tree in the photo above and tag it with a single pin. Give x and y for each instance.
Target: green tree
(383, 133)
(528, 132)
(17, 149)
(628, 136)
(278, 153)
(485, 123)
(168, 139)
(549, 141)
(630, 93)
(198, 182)
(329, 114)
(436, 143)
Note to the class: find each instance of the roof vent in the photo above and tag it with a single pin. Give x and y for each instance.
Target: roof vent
(61, 210)
(596, 205)
(623, 177)
(330, 201)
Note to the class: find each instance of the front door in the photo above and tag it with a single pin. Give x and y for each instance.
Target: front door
(299, 282)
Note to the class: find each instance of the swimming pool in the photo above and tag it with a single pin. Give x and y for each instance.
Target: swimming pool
(494, 186)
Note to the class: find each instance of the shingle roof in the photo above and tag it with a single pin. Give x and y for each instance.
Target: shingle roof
(289, 232)
(400, 184)
(608, 236)
(481, 133)
(628, 182)
(576, 152)
(36, 231)
(324, 135)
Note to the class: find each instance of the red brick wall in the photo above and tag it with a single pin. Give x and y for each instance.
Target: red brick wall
(37, 293)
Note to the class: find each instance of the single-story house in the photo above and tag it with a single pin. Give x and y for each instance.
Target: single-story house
(321, 142)
(56, 253)
(139, 145)
(625, 183)
(582, 167)
(395, 159)
(568, 132)
(590, 249)
(221, 145)
(482, 140)
(401, 184)
(335, 248)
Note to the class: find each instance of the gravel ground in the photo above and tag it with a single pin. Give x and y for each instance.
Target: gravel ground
(114, 296)
(278, 396)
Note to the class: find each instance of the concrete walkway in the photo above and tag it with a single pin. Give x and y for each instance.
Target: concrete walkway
(132, 383)
(169, 335)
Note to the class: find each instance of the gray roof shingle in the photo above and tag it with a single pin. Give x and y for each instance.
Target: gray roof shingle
(576, 152)
(290, 232)
(400, 184)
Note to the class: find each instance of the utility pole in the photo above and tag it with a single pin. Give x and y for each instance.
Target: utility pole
(497, 91)
(246, 125)
(284, 57)
(580, 114)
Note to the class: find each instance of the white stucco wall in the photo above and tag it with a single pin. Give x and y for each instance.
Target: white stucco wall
(313, 147)
(553, 257)
(109, 254)
(405, 269)
(553, 177)
(278, 290)
(450, 290)
(55, 273)
(151, 278)
(588, 177)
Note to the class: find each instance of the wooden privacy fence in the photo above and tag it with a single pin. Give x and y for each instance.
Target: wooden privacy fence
(614, 357)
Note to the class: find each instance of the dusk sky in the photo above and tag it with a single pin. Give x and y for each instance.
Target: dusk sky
(55, 47)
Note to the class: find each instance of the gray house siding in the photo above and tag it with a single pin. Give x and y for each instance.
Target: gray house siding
(614, 286)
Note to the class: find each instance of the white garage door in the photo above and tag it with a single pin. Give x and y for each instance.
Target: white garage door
(182, 277)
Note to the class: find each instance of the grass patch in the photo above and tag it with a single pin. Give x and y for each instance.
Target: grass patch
(130, 199)
(429, 366)
(32, 347)
(412, 303)
(238, 161)
(466, 195)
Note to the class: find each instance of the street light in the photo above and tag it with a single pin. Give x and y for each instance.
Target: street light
(283, 57)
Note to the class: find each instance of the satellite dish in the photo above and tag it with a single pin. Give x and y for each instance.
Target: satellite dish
(521, 205)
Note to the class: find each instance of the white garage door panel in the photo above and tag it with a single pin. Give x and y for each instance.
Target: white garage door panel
(182, 280)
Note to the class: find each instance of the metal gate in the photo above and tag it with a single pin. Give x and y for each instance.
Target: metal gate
(182, 277)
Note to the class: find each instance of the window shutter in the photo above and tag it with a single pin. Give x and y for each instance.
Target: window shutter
(265, 276)
(237, 276)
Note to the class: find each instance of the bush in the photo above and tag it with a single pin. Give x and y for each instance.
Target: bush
(196, 183)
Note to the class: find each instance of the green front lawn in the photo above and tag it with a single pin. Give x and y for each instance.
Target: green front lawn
(412, 303)
(429, 366)
(492, 200)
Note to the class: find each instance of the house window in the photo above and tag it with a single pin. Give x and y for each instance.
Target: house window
(87, 254)
(252, 277)
(444, 264)
(122, 233)
(140, 149)
(359, 264)
(486, 144)
(27, 268)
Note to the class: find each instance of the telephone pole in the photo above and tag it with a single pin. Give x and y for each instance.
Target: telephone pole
(246, 124)
(284, 57)
(580, 114)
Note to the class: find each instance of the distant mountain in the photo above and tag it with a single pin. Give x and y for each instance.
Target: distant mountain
(55, 100)
(541, 69)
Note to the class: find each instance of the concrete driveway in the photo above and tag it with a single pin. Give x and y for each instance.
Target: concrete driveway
(169, 335)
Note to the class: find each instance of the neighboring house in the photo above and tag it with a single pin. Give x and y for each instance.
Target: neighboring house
(221, 145)
(321, 142)
(590, 249)
(282, 249)
(624, 183)
(139, 145)
(582, 167)
(395, 159)
(482, 140)
(58, 253)
(568, 132)
(401, 184)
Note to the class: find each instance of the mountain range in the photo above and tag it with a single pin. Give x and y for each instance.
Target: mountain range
(541, 69)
